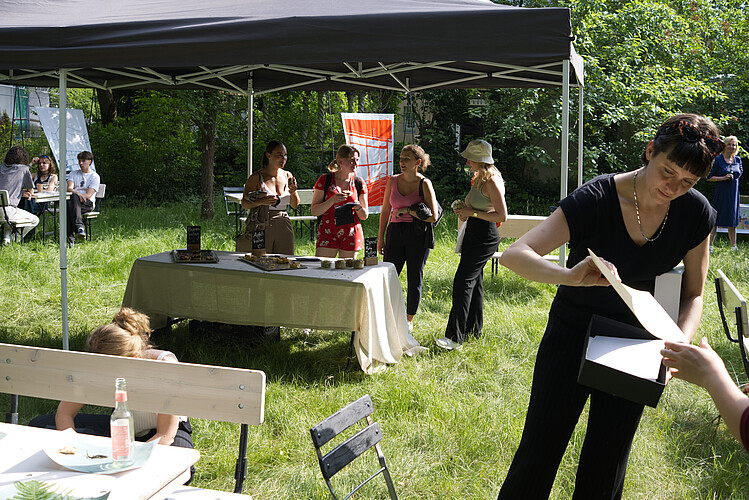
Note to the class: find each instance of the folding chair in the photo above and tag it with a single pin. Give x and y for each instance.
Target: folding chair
(16, 228)
(730, 299)
(350, 449)
(98, 207)
(233, 209)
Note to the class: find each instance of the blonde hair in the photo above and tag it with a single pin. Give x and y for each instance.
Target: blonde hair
(419, 153)
(127, 335)
(344, 151)
(485, 171)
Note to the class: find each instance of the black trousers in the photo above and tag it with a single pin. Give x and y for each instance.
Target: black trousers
(467, 313)
(556, 403)
(76, 209)
(404, 244)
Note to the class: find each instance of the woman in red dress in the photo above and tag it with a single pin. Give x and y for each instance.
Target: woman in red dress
(335, 189)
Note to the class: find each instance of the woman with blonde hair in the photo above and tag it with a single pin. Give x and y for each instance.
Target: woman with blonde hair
(727, 169)
(402, 238)
(483, 208)
(334, 193)
(127, 335)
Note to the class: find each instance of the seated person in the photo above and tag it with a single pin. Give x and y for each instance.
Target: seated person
(15, 178)
(84, 184)
(127, 335)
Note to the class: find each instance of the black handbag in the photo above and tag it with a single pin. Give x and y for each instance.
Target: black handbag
(422, 211)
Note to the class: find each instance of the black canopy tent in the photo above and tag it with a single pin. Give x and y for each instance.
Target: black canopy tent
(252, 47)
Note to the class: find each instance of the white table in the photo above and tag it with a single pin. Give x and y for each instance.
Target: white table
(22, 459)
(368, 301)
(52, 198)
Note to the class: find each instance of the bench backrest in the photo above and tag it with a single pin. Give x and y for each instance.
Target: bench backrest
(305, 196)
(516, 225)
(203, 391)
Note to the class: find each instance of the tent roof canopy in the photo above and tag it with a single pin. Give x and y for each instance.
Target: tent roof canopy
(402, 45)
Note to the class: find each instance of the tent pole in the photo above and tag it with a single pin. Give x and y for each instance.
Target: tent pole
(580, 137)
(565, 141)
(250, 124)
(62, 160)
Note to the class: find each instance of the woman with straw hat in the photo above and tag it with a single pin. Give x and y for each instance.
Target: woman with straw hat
(483, 208)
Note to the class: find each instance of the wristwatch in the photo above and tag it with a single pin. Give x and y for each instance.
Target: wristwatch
(476, 214)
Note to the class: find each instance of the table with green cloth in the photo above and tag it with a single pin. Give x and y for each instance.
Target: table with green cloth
(367, 301)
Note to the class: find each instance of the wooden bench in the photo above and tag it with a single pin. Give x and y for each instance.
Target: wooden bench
(203, 391)
(514, 227)
(305, 221)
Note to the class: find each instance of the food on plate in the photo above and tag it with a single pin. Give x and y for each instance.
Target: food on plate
(457, 204)
(340, 264)
(359, 264)
(67, 450)
(326, 264)
(250, 256)
(96, 456)
(294, 265)
(349, 262)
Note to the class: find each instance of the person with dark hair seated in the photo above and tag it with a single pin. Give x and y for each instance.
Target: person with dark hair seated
(15, 178)
(83, 184)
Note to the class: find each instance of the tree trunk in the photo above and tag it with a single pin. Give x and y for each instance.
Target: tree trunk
(107, 106)
(207, 154)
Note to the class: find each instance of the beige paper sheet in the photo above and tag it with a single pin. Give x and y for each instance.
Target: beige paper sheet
(644, 306)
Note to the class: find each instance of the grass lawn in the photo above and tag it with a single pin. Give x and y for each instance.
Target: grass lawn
(451, 420)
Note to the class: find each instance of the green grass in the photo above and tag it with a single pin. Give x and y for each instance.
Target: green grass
(451, 420)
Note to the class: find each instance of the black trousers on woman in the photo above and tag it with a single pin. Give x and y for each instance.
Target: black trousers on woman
(404, 244)
(467, 313)
(556, 402)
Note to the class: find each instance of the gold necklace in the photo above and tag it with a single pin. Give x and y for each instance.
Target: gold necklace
(637, 211)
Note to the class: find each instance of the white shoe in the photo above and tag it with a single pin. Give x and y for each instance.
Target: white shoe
(735, 248)
(448, 344)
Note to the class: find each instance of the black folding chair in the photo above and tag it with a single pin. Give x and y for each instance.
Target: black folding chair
(730, 301)
(353, 447)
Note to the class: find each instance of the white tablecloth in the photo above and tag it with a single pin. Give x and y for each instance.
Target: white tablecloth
(368, 301)
(22, 459)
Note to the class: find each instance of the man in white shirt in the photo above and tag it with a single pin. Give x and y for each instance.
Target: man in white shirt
(16, 179)
(83, 184)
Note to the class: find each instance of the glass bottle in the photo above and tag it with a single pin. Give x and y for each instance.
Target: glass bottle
(121, 427)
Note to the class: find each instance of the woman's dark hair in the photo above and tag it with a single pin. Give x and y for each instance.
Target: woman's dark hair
(691, 141)
(17, 156)
(269, 150)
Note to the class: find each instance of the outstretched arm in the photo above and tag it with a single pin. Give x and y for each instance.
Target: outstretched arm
(702, 366)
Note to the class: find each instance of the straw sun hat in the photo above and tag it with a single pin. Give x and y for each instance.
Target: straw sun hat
(478, 150)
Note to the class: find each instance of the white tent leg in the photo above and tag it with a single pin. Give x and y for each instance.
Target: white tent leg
(565, 143)
(63, 162)
(250, 124)
(580, 137)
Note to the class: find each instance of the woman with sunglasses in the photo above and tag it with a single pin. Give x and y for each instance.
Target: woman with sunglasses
(725, 174)
(336, 192)
(46, 174)
(643, 223)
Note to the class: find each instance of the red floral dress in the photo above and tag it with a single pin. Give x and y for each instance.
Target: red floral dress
(346, 238)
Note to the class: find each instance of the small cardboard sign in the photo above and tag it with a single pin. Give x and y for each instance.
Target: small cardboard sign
(370, 251)
(258, 240)
(193, 238)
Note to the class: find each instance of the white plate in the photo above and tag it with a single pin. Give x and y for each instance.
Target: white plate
(87, 446)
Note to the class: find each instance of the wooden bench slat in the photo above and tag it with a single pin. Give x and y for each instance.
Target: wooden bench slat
(203, 391)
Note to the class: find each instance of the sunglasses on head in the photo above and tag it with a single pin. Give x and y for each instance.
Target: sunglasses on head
(691, 133)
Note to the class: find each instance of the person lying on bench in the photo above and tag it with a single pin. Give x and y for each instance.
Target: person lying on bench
(127, 335)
